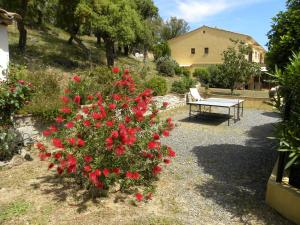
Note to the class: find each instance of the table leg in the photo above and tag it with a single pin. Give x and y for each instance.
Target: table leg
(238, 111)
(228, 115)
(242, 108)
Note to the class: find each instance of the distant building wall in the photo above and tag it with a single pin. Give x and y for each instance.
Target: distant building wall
(204, 46)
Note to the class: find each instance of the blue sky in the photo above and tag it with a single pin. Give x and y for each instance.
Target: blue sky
(252, 17)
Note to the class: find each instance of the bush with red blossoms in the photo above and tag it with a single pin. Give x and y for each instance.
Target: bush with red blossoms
(112, 141)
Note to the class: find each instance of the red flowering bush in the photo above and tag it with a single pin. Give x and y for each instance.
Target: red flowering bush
(114, 140)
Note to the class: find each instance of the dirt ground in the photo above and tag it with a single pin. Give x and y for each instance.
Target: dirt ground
(30, 194)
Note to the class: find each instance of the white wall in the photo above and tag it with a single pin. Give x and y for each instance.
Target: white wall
(4, 54)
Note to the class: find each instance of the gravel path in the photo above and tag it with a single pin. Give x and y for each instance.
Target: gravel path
(221, 172)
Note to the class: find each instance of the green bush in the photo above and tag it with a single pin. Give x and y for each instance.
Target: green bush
(289, 129)
(13, 95)
(186, 72)
(182, 86)
(7, 142)
(166, 66)
(161, 50)
(158, 85)
(45, 101)
(203, 75)
(217, 78)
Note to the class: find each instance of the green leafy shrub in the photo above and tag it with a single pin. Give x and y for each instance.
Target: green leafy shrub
(113, 141)
(289, 129)
(182, 86)
(47, 88)
(166, 66)
(7, 142)
(161, 50)
(158, 85)
(203, 75)
(13, 96)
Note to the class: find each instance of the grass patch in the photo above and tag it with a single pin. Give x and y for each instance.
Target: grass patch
(156, 221)
(14, 209)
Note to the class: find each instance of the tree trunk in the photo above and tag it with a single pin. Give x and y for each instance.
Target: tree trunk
(145, 52)
(21, 26)
(109, 47)
(73, 33)
(98, 40)
(22, 36)
(70, 41)
(40, 18)
(126, 50)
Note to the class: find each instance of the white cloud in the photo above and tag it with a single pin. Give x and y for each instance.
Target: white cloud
(197, 10)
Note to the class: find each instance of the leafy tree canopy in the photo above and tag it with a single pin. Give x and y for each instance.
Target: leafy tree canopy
(284, 37)
(174, 27)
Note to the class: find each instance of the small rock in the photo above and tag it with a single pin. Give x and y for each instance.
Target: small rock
(16, 160)
(25, 154)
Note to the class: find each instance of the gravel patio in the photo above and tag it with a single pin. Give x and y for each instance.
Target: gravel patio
(218, 177)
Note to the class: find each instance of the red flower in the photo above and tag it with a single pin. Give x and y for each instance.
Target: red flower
(114, 134)
(40, 146)
(77, 99)
(156, 170)
(44, 156)
(128, 175)
(57, 143)
(135, 176)
(59, 170)
(127, 119)
(80, 142)
(165, 104)
(50, 166)
(167, 161)
(59, 119)
(72, 141)
(112, 106)
(96, 116)
(78, 117)
(90, 97)
(53, 128)
(86, 123)
(109, 142)
(116, 70)
(69, 125)
(57, 155)
(171, 153)
(67, 91)
(76, 78)
(109, 123)
(65, 99)
(116, 171)
(105, 172)
(126, 71)
(98, 125)
(88, 158)
(155, 136)
(139, 197)
(66, 110)
(85, 110)
(46, 133)
(97, 172)
(116, 97)
(21, 81)
(125, 106)
(120, 150)
(166, 133)
(87, 168)
(152, 145)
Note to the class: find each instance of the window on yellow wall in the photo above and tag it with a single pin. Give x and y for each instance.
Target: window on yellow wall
(193, 51)
(206, 50)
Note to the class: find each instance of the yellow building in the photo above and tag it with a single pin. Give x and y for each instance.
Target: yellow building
(205, 45)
